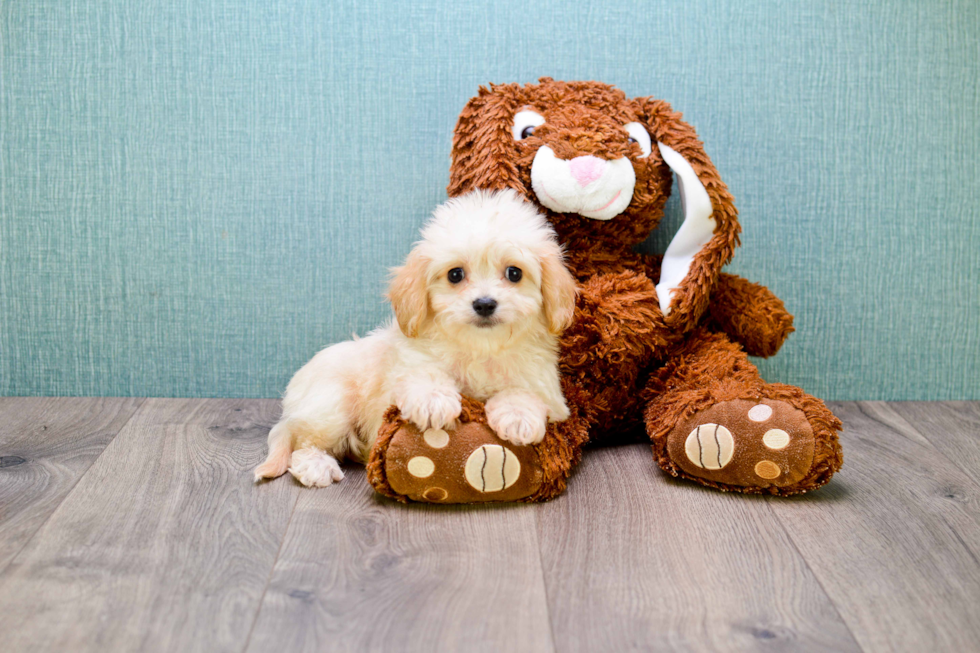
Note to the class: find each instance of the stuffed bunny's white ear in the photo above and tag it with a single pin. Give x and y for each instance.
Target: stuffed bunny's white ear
(694, 233)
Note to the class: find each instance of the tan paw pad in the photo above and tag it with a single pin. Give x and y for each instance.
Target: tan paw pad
(710, 446)
(767, 469)
(492, 468)
(436, 438)
(776, 439)
(421, 467)
(760, 413)
(435, 494)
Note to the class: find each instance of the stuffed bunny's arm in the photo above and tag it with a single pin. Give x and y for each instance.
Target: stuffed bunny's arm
(750, 314)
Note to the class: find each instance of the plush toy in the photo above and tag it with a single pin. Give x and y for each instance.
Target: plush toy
(657, 343)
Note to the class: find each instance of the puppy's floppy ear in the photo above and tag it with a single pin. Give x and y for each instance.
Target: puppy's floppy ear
(709, 234)
(558, 289)
(408, 293)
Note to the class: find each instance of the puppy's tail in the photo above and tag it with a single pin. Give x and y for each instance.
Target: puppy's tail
(280, 451)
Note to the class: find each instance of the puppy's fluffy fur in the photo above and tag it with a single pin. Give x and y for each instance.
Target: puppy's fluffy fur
(442, 342)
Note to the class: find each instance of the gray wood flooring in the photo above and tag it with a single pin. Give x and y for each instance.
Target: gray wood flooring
(133, 525)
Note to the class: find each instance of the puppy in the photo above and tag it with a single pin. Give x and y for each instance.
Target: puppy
(478, 308)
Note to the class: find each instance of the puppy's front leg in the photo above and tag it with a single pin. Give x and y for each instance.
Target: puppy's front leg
(518, 416)
(428, 402)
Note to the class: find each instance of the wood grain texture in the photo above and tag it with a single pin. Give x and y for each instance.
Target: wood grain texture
(894, 539)
(165, 544)
(362, 573)
(635, 560)
(953, 427)
(46, 445)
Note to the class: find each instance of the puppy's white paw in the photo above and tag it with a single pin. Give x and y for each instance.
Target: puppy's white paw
(517, 417)
(315, 468)
(560, 413)
(435, 408)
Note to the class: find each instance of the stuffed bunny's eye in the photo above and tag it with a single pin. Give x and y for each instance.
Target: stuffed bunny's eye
(524, 123)
(638, 134)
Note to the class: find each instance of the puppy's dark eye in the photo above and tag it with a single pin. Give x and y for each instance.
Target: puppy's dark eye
(514, 274)
(456, 275)
(527, 131)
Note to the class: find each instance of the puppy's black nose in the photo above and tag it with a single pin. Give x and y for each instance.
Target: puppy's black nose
(484, 306)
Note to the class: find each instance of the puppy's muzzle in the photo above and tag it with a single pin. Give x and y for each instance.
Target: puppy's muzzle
(484, 306)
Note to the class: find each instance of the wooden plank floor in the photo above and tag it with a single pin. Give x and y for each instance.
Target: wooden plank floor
(134, 525)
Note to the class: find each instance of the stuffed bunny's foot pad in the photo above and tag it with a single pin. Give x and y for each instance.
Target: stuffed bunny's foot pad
(466, 465)
(744, 443)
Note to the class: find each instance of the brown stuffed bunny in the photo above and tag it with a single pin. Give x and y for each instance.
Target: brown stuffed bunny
(657, 342)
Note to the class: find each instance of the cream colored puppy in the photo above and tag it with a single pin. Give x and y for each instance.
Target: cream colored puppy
(479, 305)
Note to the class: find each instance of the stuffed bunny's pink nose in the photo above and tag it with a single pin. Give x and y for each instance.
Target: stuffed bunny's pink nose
(586, 169)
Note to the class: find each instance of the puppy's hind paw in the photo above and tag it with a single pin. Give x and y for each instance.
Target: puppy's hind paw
(315, 468)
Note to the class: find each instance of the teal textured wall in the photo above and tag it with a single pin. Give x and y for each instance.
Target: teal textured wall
(196, 196)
